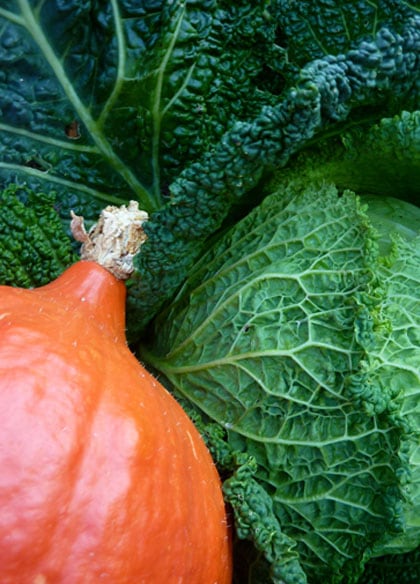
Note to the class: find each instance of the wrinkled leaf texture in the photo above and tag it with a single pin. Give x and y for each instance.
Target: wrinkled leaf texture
(265, 339)
(184, 105)
(33, 245)
(393, 368)
(382, 160)
(393, 372)
(393, 569)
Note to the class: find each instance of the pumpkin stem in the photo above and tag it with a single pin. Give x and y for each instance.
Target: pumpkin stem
(114, 240)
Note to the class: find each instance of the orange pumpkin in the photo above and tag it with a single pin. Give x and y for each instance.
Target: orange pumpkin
(103, 477)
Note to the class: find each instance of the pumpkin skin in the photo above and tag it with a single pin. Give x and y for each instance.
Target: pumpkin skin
(103, 477)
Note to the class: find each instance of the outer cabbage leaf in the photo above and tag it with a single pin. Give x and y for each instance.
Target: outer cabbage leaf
(394, 217)
(386, 158)
(263, 338)
(393, 371)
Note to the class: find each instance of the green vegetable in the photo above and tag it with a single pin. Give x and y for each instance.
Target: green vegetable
(381, 159)
(184, 106)
(33, 244)
(393, 569)
(238, 293)
(270, 338)
(393, 367)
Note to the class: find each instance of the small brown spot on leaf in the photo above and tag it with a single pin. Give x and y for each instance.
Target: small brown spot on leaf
(73, 130)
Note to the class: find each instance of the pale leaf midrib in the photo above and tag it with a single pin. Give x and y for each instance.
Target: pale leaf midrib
(28, 20)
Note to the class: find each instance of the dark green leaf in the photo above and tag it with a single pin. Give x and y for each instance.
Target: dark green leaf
(34, 248)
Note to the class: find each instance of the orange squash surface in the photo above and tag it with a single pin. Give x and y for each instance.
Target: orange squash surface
(103, 477)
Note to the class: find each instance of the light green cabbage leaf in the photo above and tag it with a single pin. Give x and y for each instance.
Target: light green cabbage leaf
(267, 338)
(393, 368)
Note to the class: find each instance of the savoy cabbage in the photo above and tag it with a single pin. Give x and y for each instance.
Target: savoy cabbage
(272, 143)
(302, 342)
(184, 105)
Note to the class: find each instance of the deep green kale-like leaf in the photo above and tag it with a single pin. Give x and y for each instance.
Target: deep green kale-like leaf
(308, 32)
(34, 248)
(63, 67)
(325, 92)
(109, 101)
(264, 338)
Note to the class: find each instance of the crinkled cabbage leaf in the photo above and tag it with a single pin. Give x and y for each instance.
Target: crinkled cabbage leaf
(184, 106)
(268, 338)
